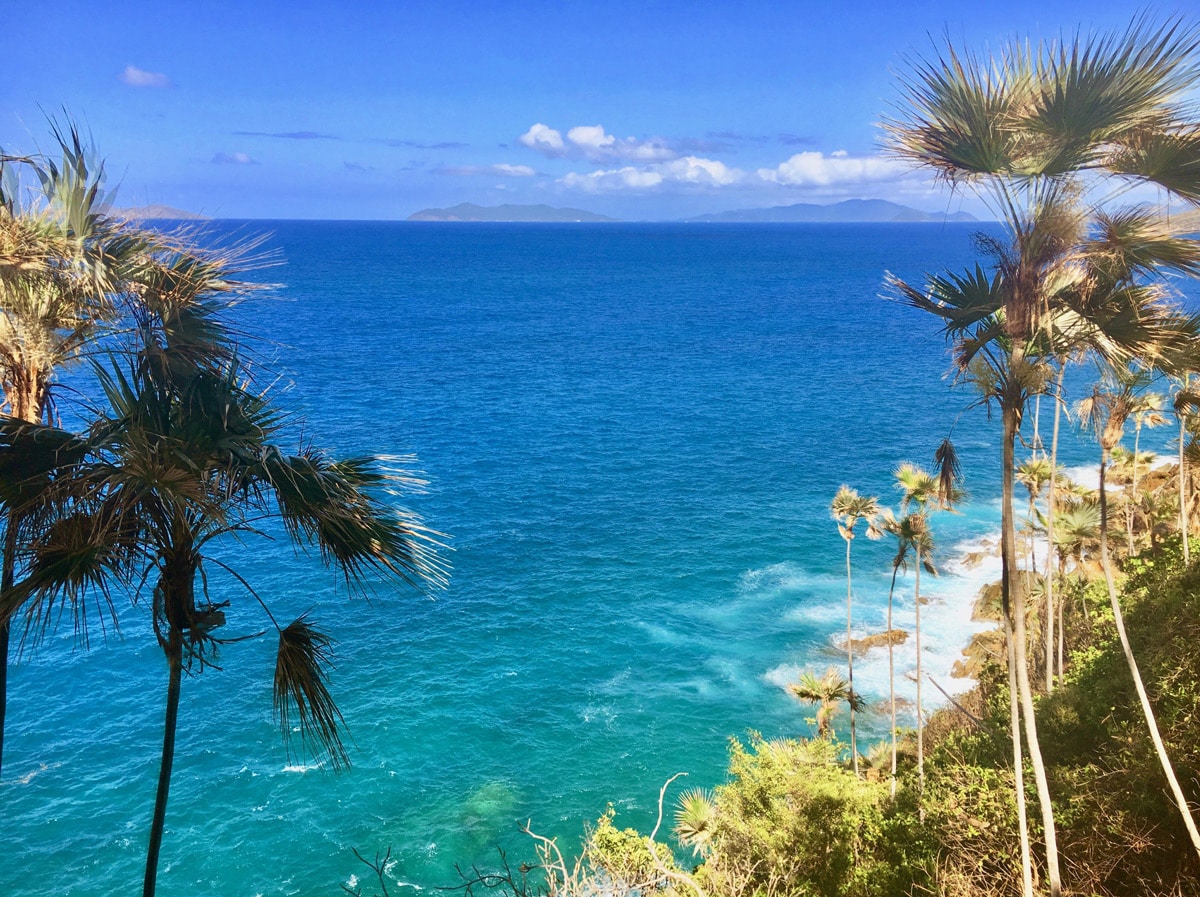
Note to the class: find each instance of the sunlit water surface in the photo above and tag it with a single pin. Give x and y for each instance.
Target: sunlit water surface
(632, 434)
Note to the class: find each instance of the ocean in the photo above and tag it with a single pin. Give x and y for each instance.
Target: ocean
(632, 434)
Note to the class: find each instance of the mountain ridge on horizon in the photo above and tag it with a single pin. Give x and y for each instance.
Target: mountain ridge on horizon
(865, 211)
(506, 213)
(848, 211)
(158, 212)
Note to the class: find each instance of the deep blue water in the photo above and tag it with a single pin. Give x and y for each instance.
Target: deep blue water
(632, 434)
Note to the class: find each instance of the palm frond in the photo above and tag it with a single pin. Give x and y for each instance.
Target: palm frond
(949, 471)
(1169, 158)
(327, 503)
(695, 819)
(301, 688)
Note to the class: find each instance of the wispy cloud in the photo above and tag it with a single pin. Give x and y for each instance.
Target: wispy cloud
(690, 171)
(693, 145)
(136, 77)
(796, 140)
(737, 137)
(502, 169)
(413, 144)
(814, 169)
(355, 166)
(232, 159)
(288, 135)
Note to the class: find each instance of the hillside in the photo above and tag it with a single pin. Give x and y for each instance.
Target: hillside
(847, 211)
(467, 211)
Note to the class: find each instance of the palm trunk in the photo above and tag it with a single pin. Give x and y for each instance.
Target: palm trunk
(1014, 603)
(1061, 639)
(29, 409)
(1180, 800)
(175, 663)
(1183, 515)
(850, 660)
(1018, 765)
(1050, 503)
(1137, 437)
(892, 673)
(1037, 434)
(7, 577)
(920, 722)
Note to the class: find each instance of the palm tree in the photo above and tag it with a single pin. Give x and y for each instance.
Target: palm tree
(1146, 412)
(849, 509)
(1077, 534)
(912, 534)
(1107, 412)
(1021, 128)
(61, 260)
(827, 692)
(1185, 405)
(1051, 497)
(919, 488)
(184, 457)
(1034, 474)
(899, 561)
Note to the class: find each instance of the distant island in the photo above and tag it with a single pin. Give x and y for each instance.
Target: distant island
(158, 212)
(467, 211)
(848, 211)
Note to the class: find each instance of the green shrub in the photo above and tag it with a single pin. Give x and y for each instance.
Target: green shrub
(793, 822)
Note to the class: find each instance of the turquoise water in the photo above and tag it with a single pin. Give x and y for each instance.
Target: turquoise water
(632, 434)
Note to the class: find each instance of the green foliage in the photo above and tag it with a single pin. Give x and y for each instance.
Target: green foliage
(626, 857)
(1117, 825)
(793, 821)
(1114, 792)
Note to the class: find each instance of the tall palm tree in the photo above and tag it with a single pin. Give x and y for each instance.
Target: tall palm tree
(912, 535)
(1051, 498)
(849, 509)
(899, 561)
(1107, 412)
(920, 492)
(184, 456)
(1034, 474)
(1077, 536)
(62, 258)
(1146, 412)
(1021, 128)
(827, 691)
(1185, 405)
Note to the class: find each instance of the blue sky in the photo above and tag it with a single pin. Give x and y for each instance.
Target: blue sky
(646, 110)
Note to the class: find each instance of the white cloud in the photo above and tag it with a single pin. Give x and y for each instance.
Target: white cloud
(592, 142)
(690, 170)
(513, 171)
(616, 179)
(544, 139)
(232, 159)
(591, 137)
(694, 170)
(502, 169)
(813, 169)
(136, 77)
